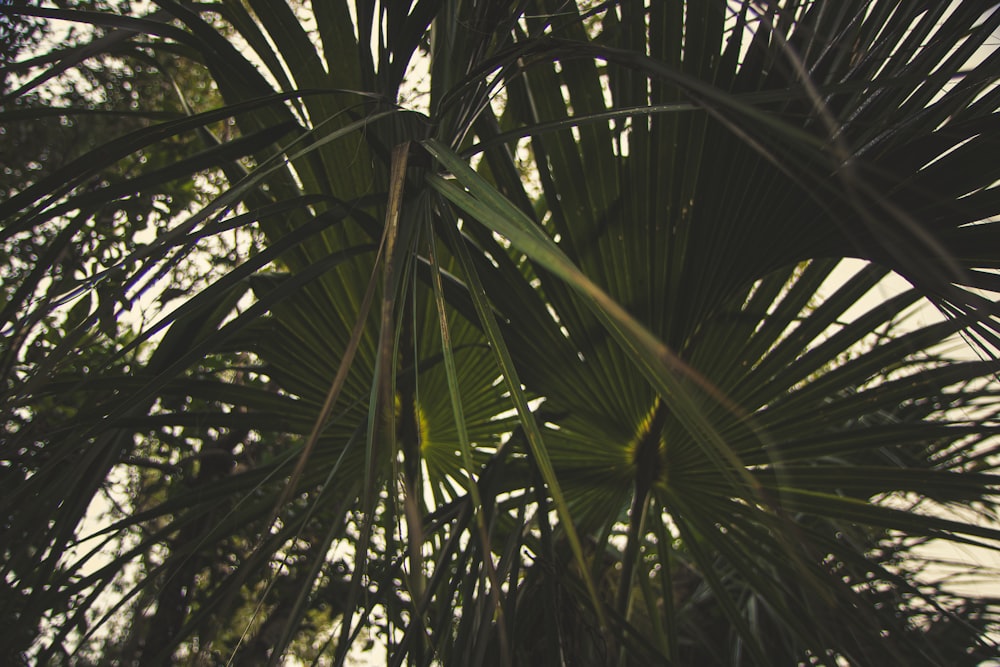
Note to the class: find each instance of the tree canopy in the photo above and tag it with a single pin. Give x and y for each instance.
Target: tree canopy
(535, 332)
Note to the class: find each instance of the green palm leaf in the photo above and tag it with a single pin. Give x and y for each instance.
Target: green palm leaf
(566, 365)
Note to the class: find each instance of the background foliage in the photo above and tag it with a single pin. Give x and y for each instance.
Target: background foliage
(498, 332)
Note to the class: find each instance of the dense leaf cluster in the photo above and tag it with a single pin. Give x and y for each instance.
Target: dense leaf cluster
(614, 349)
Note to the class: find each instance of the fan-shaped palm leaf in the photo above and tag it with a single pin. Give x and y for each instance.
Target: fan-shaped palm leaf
(565, 367)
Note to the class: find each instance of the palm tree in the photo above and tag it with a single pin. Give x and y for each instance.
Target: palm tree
(508, 333)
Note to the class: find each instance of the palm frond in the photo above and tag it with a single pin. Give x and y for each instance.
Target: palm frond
(601, 356)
